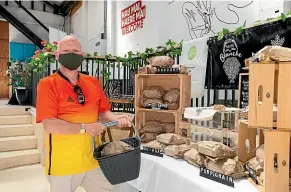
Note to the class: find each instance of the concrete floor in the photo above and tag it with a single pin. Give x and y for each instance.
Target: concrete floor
(25, 179)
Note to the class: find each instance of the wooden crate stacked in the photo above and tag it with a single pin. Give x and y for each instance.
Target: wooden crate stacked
(269, 84)
(166, 81)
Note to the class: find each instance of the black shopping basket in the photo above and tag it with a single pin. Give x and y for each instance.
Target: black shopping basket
(122, 167)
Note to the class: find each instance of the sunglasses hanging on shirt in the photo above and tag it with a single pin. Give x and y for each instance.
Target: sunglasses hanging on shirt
(80, 95)
(77, 89)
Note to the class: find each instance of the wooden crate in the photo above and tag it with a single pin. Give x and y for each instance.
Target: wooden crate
(277, 154)
(269, 84)
(166, 81)
(144, 115)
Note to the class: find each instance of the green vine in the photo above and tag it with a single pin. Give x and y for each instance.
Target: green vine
(239, 30)
(131, 59)
(44, 57)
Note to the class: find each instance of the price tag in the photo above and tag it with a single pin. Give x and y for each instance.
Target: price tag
(252, 174)
(152, 151)
(217, 177)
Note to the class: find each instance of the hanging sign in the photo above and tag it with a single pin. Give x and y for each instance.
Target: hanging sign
(132, 17)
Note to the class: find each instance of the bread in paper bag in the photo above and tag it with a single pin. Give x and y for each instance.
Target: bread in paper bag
(261, 178)
(152, 127)
(193, 145)
(214, 165)
(151, 69)
(148, 137)
(183, 69)
(215, 149)
(232, 166)
(260, 154)
(172, 106)
(171, 139)
(142, 70)
(171, 150)
(176, 151)
(172, 96)
(227, 166)
(183, 149)
(161, 61)
(115, 148)
(274, 53)
(193, 157)
(153, 92)
(168, 127)
(255, 165)
(155, 145)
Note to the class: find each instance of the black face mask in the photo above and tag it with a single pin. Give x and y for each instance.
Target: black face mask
(71, 61)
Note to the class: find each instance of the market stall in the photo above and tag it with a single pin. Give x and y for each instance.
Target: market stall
(215, 148)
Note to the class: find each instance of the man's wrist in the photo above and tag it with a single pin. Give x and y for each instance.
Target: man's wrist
(82, 129)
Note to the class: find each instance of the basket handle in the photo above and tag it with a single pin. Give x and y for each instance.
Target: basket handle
(115, 123)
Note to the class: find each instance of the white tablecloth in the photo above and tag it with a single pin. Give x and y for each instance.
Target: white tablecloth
(170, 175)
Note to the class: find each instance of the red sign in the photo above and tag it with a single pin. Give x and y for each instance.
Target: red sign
(132, 17)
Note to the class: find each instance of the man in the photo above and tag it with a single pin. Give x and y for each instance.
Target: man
(69, 105)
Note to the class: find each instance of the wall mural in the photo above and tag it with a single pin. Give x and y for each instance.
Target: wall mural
(199, 15)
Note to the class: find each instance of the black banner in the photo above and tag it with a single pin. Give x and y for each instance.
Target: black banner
(226, 57)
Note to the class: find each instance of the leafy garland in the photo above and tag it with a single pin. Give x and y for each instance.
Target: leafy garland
(240, 29)
(42, 58)
(130, 59)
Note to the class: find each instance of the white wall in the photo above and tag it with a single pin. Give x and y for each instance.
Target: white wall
(163, 21)
(48, 19)
(96, 27)
(55, 35)
(166, 21)
(88, 25)
(148, 36)
(95, 16)
(269, 9)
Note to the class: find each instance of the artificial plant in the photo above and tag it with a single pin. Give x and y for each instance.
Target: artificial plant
(42, 58)
(130, 59)
(19, 74)
(240, 29)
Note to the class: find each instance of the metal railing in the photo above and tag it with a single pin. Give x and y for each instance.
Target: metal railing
(121, 80)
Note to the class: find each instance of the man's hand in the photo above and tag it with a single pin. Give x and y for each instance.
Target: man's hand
(95, 129)
(124, 121)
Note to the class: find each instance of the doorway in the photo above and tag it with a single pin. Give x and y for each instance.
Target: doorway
(4, 58)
